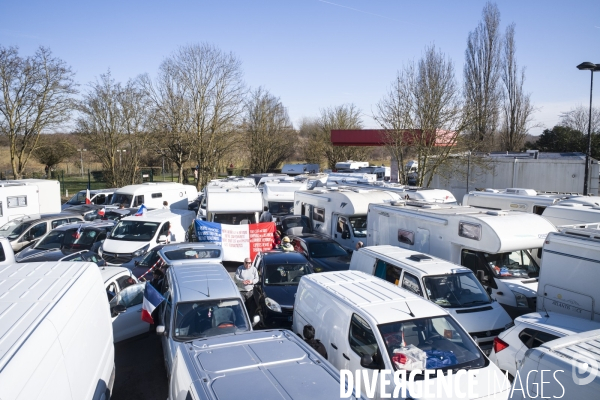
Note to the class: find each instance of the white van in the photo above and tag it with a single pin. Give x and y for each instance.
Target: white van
(231, 205)
(222, 369)
(569, 280)
(278, 195)
(495, 245)
(563, 368)
(133, 236)
(153, 194)
(339, 213)
(55, 325)
(370, 324)
(297, 169)
(448, 285)
(201, 301)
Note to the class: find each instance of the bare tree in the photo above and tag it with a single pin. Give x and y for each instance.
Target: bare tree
(578, 118)
(212, 82)
(270, 135)
(517, 110)
(112, 123)
(36, 95)
(171, 116)
(482, 77)
(318, 144)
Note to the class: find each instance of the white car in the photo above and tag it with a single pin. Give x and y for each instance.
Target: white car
(530, 331)
(123, 289)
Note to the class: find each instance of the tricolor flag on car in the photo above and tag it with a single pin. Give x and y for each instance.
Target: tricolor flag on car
(152, 299)
(101, 212)
(78, 233)
(88, 199)
(141, 211)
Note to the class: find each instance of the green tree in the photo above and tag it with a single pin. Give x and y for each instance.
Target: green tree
(51, 152)
(560, 139)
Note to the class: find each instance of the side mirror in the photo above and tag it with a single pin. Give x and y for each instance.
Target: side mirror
(489, 290)
(366, 361)
(118, 309)
(255, 320)
(160, 330)
(136, 263)
(481, 277)
(162, 239)
(346, 235)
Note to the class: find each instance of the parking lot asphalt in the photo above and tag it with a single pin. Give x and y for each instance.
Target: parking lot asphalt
(139, 365)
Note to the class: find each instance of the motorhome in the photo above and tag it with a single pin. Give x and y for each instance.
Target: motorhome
(369, 324)
(570, 275)
(286, 364)
(339, 213)
(342, 178)
(350, 166)
(28, 196)
(570, 365)
(259, 177)
(409, 192)
(495, 245)
(298, 169)
(278, 195)
(452, 287)
(48, 193)
(57, 337)
(567, 213)
(382, 172)
(232, 182)
(231, 205)
(516, 199)
(154, 194)
(133, 237)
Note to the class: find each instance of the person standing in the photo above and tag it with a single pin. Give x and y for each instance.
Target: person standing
(246, 277)
(309, 337)
(266, 215)
(286, 244)
(165, 205)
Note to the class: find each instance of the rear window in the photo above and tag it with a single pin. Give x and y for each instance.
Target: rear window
(191, 254)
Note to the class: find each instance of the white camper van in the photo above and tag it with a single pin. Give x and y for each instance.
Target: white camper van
(278, 195)
(516, 199)
(134, 236)
(350, 166)
(57, 338)
(568, 213)
(495, 245)
(231, 205)
(339, 213)
(570, 278)
(448, 285)
(382, 172)
(24, 197)
(368, 324)
(410, 193)
(153, 194)
(297, 169)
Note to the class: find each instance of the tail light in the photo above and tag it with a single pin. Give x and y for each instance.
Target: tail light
(499, 345)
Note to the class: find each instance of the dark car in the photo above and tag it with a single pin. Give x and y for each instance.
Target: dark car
(149, 260)
(279, 274)
(64, 255)
(324, 254)
(70, 237)
(294, 225)
(87, 211)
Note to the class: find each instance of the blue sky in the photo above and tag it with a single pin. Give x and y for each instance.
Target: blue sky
(313, 54)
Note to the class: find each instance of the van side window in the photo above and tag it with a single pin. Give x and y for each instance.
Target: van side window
(406, 237)
(361, 338)
(59, 222)
(411, 283)
(318, 214)
(139, 200)
(539, 210)
(167, 315)
(2, 255)
(156, 195)
(38, 230)
(389, 272)
(99, 199)
(533, 338)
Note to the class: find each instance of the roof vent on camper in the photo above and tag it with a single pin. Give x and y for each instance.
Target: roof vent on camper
(522, 192)
(498, 213)
(398, 203)
(491, 190)
(420, 257)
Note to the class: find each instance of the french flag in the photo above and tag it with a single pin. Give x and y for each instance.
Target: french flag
(152, 299)
(102, 212)
(141, 211)
(87, 197)
(77, 234)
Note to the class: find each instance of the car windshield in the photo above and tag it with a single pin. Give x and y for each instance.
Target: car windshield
(192, 254)
(430, 343)
(285, 274)
(235, 219)
(52, 240)
(359, 226)
(281, 207)
(517, 264)
(119, 198)
(209, 318)
(455, 290)
(78, 239)
(79, 198)
(326, 249)
(13, 229)
(295, 222)
(136, 231)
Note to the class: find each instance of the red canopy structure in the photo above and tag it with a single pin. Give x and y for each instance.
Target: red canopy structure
(377, 137)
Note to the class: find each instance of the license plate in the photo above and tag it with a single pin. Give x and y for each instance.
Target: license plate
(289, 319)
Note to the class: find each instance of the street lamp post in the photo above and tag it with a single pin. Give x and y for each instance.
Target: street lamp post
(81, 157)
(588, 66)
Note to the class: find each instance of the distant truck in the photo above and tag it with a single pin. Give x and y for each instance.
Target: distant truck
(23, 197)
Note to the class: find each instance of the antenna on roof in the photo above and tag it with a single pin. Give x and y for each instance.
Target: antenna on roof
(547, 315)
(411, 313)
(207, 287)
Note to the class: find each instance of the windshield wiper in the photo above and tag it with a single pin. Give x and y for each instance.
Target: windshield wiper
(476, 302)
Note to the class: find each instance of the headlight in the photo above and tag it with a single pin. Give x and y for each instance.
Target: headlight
(521, 299)
(100, 251)
(272, 305)
(141, 251)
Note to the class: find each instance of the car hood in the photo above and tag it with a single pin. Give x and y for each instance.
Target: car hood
(526, 286)
(121, 246)
(46, 255)
(30, 252)
(474, 320)
(285, 295)
(341, 263)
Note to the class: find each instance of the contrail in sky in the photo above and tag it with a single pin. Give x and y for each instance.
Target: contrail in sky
(355, 9)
